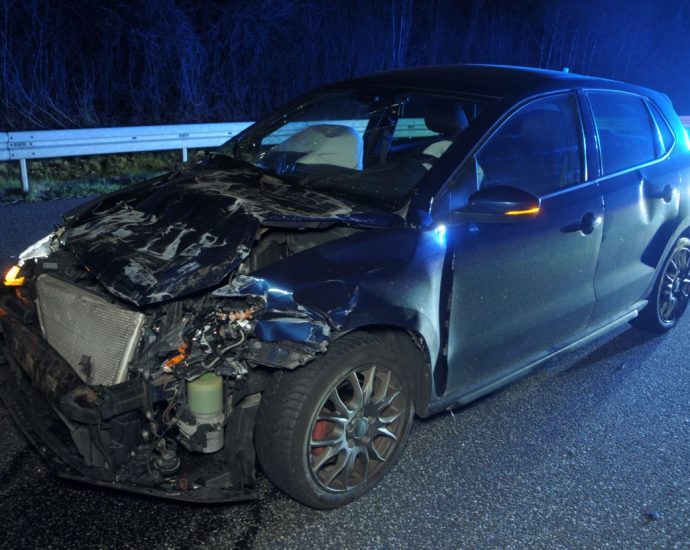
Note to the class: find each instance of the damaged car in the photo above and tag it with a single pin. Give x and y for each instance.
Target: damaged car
(397, 244)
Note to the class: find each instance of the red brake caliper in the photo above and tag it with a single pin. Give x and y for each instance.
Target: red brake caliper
(321, 428)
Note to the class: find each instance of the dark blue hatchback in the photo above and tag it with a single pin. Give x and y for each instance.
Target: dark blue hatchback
(395, 244)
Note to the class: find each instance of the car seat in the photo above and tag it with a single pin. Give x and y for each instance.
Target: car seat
(448, 119)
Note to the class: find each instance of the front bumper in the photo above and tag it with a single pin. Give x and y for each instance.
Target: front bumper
(48, 401)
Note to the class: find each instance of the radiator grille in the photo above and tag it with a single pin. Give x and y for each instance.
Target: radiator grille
(80, 324)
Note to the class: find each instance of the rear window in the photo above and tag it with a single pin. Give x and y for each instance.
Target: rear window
(626, 133)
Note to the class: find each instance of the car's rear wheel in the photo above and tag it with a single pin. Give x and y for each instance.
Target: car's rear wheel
(326, 433)
(669, 297)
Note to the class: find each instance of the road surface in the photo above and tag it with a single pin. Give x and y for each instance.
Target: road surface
(591, 450)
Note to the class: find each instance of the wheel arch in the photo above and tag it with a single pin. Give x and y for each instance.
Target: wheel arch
(414, 341)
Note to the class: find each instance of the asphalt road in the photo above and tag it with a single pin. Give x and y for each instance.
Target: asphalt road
(590, 451)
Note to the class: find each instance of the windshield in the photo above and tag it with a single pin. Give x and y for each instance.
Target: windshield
(371, 148)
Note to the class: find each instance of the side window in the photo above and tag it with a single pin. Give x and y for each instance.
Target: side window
(664, 136)
(625, 130)
(537, 149)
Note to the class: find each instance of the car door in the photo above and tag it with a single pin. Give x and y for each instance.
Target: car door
(519, 289)
(640, 197)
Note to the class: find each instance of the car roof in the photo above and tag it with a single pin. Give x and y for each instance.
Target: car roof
(496, 81)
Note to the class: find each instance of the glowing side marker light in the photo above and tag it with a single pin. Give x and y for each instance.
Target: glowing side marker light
(440, 234)
(534, 210)
(12, 277)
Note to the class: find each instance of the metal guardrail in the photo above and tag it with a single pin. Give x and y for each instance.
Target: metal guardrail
(4, 151)
(24, 146)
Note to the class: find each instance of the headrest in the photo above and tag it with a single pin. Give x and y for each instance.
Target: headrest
(446, 117)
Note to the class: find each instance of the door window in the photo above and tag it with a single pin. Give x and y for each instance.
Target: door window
(625, 130)
(537, 149)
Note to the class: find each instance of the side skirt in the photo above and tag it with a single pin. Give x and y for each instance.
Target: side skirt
(457, 400)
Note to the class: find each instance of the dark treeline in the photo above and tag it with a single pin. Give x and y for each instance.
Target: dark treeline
(81, 63)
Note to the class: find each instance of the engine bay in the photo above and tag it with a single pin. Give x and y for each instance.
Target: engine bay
(173, 410)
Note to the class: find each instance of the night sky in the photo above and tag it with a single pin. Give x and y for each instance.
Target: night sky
(79, 63)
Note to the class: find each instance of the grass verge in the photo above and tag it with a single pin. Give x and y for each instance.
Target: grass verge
(67, 177)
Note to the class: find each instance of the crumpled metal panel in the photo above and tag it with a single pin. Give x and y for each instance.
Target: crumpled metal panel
(387, 277)
(79, 324)
(283, 318)
(166, 239)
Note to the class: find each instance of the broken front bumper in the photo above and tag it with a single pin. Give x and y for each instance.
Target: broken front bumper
(48, 401)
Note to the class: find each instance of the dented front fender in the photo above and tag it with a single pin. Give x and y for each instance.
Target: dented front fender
(388, 277)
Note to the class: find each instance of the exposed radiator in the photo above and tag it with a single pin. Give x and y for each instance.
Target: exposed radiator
(96, 337)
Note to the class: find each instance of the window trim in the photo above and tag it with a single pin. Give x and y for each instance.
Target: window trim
(654, 107)
(645, 164)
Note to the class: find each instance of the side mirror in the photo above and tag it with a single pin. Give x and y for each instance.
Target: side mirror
(499, 204)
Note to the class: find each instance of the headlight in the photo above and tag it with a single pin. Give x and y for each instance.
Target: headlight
(40, 249)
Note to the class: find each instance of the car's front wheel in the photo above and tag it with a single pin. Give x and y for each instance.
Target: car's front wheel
(669, 297)
(326, 433)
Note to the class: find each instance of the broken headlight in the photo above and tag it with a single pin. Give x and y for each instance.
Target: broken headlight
(40, 249)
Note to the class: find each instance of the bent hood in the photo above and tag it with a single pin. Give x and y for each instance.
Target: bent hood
(165, 239)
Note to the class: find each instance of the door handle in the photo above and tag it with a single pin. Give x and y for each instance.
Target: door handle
(589, 223)
(666, 194)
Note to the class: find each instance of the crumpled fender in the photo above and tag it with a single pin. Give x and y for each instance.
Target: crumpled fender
(283, 319)
(379, 277)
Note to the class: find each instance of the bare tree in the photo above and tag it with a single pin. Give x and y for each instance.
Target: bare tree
(80, 63)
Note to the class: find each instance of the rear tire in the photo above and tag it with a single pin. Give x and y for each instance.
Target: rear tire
(327, 432)
(669, 297)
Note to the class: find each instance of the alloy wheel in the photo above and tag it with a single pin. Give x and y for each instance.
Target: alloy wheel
(674, 289)
(357, 427)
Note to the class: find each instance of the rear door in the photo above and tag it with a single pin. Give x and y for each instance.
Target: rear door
(640, 196)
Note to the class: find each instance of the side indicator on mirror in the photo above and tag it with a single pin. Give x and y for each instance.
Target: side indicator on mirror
(527, 212)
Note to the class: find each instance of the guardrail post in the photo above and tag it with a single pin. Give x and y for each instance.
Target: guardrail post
(25, 175)
(184, 154)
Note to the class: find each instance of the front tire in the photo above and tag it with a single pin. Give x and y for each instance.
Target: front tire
(327, 432)
(669, 297)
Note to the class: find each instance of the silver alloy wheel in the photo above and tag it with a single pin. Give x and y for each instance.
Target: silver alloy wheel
(356, 428)
(674, 289)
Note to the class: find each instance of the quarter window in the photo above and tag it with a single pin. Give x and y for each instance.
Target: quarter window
(626, 133)
(664, 135)
(537, 149)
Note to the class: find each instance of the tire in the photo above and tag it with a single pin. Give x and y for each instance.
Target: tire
(327, 432)
(669, 297)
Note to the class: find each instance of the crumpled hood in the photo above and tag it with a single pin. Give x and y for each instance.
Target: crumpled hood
(168, 238)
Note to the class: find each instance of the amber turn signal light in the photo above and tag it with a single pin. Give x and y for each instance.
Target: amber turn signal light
(12, 277)
(534, 210)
